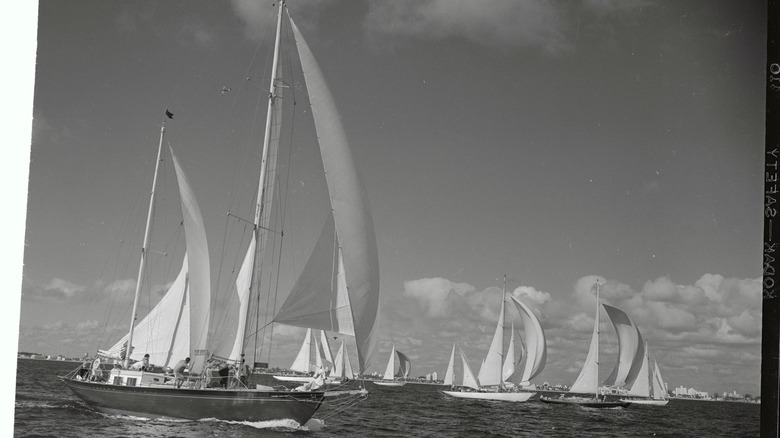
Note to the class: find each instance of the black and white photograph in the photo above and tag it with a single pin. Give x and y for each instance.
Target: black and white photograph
(440, 218)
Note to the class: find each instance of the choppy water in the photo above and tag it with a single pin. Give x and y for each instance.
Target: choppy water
(46, 407)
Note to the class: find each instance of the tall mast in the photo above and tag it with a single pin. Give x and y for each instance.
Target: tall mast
(503, 329)
(596, 331)
(272, 94)
(144, 248)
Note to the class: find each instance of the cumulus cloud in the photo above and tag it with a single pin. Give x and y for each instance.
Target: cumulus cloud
(548, 26)
(713, 309)
(438, 296)
(528, 23)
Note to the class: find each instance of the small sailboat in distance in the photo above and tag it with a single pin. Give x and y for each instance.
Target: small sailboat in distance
(490, 384)
(588, 380)
(404, 368)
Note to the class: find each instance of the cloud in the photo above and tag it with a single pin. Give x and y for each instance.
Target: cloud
(535, 296)
(503, 22)
(438, 296)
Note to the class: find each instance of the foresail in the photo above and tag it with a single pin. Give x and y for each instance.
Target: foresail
(509, 360)
(404, 365)
(354, 225)
(325, 345)
(303, 359)
(199, 278)
(229, 339)
(338, 364)
(641, 386)
(318, 300)
(390, 366)
(449, 375)
(164, 333)
(535, 342)
(468, 377)
(630, 346)
(659, 387)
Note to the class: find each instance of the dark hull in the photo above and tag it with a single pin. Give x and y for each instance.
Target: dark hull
(195, 404)
(585, 402)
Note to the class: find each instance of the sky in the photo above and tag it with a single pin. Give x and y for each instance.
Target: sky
(557, 143)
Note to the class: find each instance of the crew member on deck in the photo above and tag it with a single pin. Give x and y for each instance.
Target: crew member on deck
(141, 365)
(178, 371)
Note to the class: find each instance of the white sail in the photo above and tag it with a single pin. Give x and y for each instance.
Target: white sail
(509, 360)
(630, 349)
(535, 342)
(659, 387)
(349, 306)
(468, 377)
(449, 375)
(588, 380)
(347, 365)
(199, 278)
(325, 346)
(404, 365)
(317, 355)
(178, 325)
(641, 386)
(303, 359)
(490, 372)
(389, 371)
(338, 365)
(164, 333)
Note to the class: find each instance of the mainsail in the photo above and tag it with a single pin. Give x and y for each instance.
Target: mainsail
(509, 360)
(588, 380)
(491, 371)
(340, 297)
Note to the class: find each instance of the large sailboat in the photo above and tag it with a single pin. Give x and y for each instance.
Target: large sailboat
(585, 390)
(396, 376)
(492, 382)
(336, 291)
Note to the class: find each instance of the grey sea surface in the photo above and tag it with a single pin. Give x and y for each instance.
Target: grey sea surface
(44, 406)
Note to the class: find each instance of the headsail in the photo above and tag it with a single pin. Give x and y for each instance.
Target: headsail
(630, 346)
(404, 365)
(468, 377)
(641, 386)
(355, 297)
(659, 387)
(303, 359)
(509, 360)
(449, 375)
(199, 278)
(389, 371)
(536, 345)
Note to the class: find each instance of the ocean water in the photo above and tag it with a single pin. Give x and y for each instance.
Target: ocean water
(44, 406)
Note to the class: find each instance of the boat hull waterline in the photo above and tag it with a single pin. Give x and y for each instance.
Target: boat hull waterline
(382, 383)
(586, 402)
(646, 402)
(196, 404)
(498, 396)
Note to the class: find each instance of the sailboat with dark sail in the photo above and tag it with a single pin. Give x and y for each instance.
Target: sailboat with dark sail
(345, 302)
